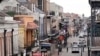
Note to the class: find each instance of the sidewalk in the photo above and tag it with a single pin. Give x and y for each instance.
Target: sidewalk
(55, 53)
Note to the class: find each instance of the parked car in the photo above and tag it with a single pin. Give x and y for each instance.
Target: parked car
(81, 36)
(82, 44)
(75, 48)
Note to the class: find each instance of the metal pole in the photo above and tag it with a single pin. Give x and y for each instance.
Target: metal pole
(5, 42)
(39, 34)
(88, 51)
(88, 42)
(81, 51)
(12, 41)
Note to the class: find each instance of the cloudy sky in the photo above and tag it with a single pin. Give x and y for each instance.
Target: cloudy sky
(75, 6)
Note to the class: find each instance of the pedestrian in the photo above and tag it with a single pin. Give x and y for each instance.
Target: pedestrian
(59, 49)
(65, 43)
(24, 54)
(67, 49)
(83, 48)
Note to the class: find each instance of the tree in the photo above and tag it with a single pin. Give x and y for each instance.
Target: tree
(11, 13)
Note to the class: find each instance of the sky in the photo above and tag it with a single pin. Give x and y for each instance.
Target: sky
(74, 6)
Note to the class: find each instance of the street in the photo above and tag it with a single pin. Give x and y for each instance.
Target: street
(70, 40)
(49, 28)
(69, 53)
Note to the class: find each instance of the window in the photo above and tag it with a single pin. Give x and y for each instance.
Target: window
(40, 4)
(97, 31)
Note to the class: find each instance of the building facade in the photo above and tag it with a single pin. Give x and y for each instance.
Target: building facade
(73, 23)
(9, 37)
(26, 28)
(56, 12)
(44, 6)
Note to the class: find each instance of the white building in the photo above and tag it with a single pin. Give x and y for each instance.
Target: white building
(56, 11)
(8, 36)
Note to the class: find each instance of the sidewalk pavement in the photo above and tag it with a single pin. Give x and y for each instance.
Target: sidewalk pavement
(55, 53)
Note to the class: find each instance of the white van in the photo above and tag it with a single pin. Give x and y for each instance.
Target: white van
(75, 48)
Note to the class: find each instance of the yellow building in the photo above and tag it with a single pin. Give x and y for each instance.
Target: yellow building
(26, 28)
(21, 35)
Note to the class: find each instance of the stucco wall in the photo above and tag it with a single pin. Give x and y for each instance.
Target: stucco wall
(9, 26)
(21, 36)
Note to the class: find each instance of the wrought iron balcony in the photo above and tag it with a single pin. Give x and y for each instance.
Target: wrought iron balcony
(94, 3)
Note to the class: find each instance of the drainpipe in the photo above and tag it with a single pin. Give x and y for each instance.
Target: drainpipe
(5, 42)
(12, 41)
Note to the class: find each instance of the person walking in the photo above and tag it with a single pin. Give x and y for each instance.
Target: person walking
(59, 47)
(67, 49)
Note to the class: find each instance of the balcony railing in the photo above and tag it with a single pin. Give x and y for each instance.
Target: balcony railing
(96, 41)
(96, 35)
(94, 3)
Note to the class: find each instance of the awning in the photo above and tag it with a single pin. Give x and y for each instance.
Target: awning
(31, 25)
